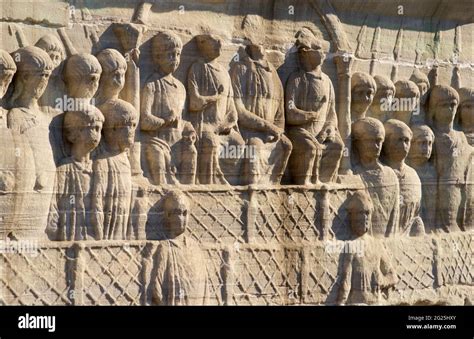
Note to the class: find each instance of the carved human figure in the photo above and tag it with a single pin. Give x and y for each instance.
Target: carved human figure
(407, 101)
(465, 115)
(30, 123)
(180, 274)
(70, 211)
(162, 106)
(259, 99)
(395, 149)
(381, 181)
(311, 117)
(55, 90)
(81, 74)
(380, 107)
(421, 80)
(367, 272)
(453, 160)
(213, 115)
(420, 159)
(112, 77)
(363, 89)
(112, 189)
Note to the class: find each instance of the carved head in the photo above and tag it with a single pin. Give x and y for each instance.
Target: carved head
(384, 95)
(397, 140)
(310, 50)
(121, 120)
(188, 135)
(210, 46)
(360, 209)
(368, 135)
(114, 66)
(408, 97)
(421, 144)
(443, 103)
(466, 109)
(53, 46)
(7, 70)
(34, 68)
(421, 80)
(166, 50)
(81, 75)
(363, 88)
(255, 50)
(176, 213)
(83, 127)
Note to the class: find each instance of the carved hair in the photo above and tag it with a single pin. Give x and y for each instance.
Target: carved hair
(422, 130)
(79, 65)
(366, 126)
(305, 38)
(383, 82)
(358, 200)
(73, 119)
(406, 89)
(395, 126)
(118, 113)
(6, 61)
(419, 77)
(164, 41)
(439, 92)
(360, 78)
(175, 199)
(465, 95)
(50, 42)
(110, 60)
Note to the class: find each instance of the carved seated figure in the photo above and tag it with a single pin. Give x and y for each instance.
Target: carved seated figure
(453, 160)
(363, 89)
(112, 189)
(162, 123)
(70, 211)
(395, 150)
(407, 101)
(311, 117)
(31, 124)
(381, 181)
(419, 158)
(368, 272)
(180, 275)
(214, 116)
(423, 83)
(380, 108)
(259, 99)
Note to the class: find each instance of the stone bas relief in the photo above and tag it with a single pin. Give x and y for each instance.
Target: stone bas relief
(152, 162)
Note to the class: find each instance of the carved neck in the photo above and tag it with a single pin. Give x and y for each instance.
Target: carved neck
(107, 94)
(418, 162)
(27, 102)
(396, 164)
(80, 154)
(370, 164)
(443, 128)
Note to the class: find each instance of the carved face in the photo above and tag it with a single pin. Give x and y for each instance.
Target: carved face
(115, 80)
(421, 147)
(467, 115)
(176, 220)
(382, 95)
(35, 83)
(89, 135)
(310, 58)
(121, 136)
(423, 87)
(189, 137)
(445, 110)
(361, 220)
(362, 97)
(369, 148)
(210, 46)
(56, 57)
(256, 52)
(397, 145)
(86, 86)
(168, 60)
(5, 80)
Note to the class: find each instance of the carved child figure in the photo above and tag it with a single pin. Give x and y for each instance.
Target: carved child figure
(363, 89)
(162, 123)
(259, 99)
(180, 274)
(367, 273)
(419, 158)
(311, 117)
(395, 150)
(81, 74)
(453, 160)
(112, 78)
(70, 211)
(213, 114)
(112, 190)
(407, 101)
(380, 108)
(381, 181)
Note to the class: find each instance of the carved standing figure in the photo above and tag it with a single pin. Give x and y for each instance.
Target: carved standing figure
(259, 99)
(213, 114)
(311, 117)
(381, 181)
(395, 150)
(180, 274)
